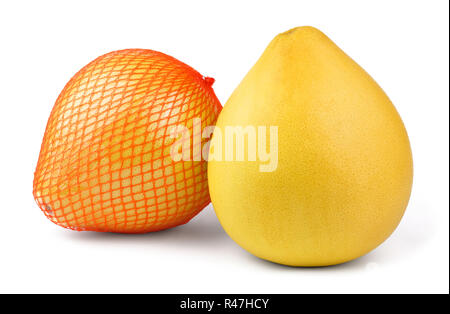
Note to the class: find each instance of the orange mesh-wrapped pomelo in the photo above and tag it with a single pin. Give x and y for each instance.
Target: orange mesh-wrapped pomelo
(105, 162)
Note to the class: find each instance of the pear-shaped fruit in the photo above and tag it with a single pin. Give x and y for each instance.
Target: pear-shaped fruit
(344, 171)
(106, 162)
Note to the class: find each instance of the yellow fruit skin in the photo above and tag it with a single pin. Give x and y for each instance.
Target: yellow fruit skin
(344, 173)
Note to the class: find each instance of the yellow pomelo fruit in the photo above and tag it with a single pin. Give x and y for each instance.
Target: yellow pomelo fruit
(344, 171)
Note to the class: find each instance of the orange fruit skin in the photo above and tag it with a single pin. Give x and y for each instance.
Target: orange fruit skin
(105, 162)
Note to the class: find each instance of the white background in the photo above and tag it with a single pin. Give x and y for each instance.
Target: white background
(402, 44)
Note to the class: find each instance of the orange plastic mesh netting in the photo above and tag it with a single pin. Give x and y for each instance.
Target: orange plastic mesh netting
(105, 162)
